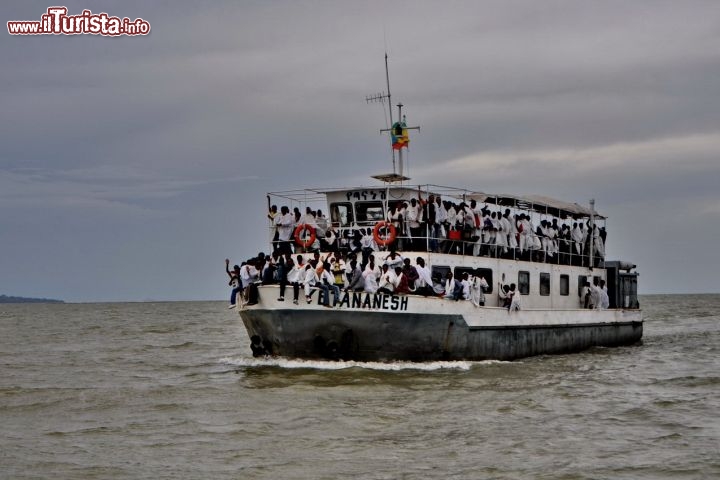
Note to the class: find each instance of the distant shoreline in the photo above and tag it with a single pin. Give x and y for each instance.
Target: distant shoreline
(11, 299)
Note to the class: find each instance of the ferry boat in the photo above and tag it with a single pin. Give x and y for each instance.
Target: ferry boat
(550, 279)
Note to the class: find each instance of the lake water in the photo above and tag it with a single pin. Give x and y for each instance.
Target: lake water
(170, 390)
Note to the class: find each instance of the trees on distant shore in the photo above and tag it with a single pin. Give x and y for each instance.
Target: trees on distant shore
(9, 299)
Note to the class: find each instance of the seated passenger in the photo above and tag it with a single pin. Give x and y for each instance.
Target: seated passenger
(373, 268)
(327, 283)
(248, 276)
(453, 288)
(371, 283)
(438, 286)
(387, 280)
(424, 283)
(504, 295)
(296, 277)
(401, 282)
(309, 281)
(337, 266)
(355, 278)
(410, 273)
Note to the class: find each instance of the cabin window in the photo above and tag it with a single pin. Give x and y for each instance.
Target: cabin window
(341, 214)
(565, 285)
(545, 284)
(486, 273)
(524, 282)
(369, 213)
(581, 284)
(439, 272)
(460, 270)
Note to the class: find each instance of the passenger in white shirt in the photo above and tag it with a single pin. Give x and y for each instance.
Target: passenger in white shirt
(478, 285)
(326, 283)
(322, 224)
(465, 286)
(284, 224)
(296, 277)
(413, 217)
(393, 260)
(424, 283)
(387, 280)
(371, 283)
(604, 298)
(309, 281)
(515, 302)
(503, 233)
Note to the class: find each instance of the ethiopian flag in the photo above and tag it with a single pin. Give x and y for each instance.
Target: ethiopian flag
(400, 137)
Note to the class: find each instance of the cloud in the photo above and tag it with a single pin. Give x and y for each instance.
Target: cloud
(100, 188)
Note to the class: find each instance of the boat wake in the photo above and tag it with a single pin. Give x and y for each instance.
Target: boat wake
(342, 365)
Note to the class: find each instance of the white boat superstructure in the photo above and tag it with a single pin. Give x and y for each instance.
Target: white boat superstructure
(364, 325)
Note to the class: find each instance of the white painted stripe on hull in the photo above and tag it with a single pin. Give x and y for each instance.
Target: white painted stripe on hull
(475, 317)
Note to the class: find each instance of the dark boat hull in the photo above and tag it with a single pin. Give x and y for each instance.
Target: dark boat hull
(419, 337)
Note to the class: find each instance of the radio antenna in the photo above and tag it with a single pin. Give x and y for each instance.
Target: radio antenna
(380, 97)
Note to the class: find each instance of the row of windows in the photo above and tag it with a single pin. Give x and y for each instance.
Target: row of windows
(523, 282)
(365, 212)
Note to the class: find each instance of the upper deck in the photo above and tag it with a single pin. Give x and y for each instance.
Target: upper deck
(353, 210)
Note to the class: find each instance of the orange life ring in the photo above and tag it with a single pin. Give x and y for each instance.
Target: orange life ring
(308, 240)
(390, 238)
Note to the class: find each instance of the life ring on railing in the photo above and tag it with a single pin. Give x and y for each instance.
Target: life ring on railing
(309, 240)
(390, 238)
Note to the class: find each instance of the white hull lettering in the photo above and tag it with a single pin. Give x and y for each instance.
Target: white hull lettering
(372, 301)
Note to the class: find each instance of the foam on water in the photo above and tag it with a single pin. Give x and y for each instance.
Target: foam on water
(340, 364)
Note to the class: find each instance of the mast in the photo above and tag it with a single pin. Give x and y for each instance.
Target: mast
(387, 78)
(398, 132)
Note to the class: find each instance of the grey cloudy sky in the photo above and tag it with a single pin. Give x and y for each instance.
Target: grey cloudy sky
(131, 167)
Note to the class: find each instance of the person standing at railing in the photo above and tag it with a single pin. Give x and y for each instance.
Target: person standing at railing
(395, 217)
(284, 224)
(441, 222)
(515, 303)
(413, 216)
(429, 225)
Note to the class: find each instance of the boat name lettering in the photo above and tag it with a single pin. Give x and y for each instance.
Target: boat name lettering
(366, 195)
(373, 301)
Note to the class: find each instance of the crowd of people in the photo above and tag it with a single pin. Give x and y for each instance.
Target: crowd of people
(346, 271)
(595, 295)
(393, 275)
(432, 225)
(444, 226)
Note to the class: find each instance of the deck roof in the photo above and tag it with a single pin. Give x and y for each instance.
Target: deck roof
(537, 203)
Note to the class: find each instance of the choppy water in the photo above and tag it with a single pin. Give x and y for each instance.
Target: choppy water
(170, 390)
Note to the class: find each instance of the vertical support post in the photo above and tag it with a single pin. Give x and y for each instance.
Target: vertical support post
(592, 232)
